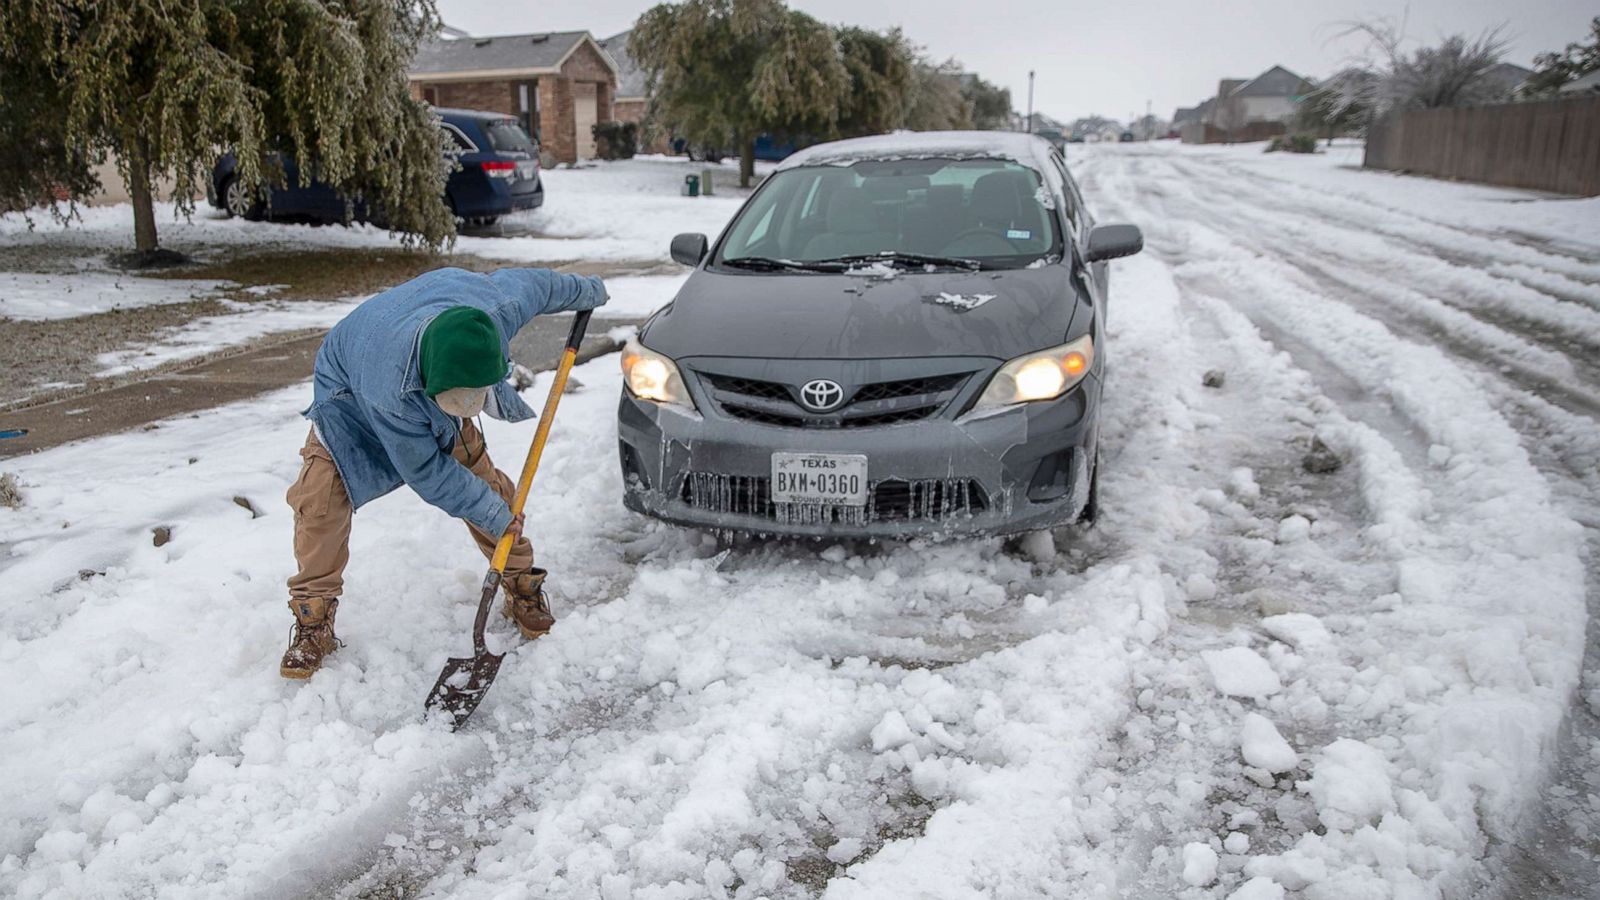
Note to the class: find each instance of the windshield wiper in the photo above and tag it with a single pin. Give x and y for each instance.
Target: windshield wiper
(909, 259)
(768, 264)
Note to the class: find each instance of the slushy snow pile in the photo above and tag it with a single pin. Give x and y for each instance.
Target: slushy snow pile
(1248, 681)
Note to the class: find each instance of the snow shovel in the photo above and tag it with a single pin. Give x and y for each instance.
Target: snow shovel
(464, 682)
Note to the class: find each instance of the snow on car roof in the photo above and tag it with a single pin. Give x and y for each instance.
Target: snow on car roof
(1029, 150)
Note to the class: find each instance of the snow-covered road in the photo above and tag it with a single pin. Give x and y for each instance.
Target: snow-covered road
(1250, 681)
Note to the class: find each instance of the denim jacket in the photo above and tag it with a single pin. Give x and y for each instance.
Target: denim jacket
(368, 405)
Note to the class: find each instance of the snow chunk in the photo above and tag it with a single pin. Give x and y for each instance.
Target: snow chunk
(1350, 785)
(1294, 529)
(1199, 864)
(1241, 672)
(1263, 747)
(1262, 888)
(959, 302)
(1242, 485)
(846, 850)
(1301, 631)
(1199, 587)
(892, 731)
(1236, 842)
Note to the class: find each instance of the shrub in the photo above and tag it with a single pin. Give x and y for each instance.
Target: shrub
(1293, 143)
(616, 140)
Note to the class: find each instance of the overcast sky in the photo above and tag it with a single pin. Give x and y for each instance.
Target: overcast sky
(1110, 57)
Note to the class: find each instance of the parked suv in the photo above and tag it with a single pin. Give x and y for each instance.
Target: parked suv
(499, 174)
(896, 335)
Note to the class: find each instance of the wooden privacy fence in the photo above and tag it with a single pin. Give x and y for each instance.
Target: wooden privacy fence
(1550, 145)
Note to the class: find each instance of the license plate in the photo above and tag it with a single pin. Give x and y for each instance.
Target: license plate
(834, 479)
(526, 170)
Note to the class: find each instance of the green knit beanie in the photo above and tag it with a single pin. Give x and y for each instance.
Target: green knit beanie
(461, 348)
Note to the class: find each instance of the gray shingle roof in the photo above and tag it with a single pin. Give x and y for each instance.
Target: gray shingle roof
(1274, 82)
(440, 56)
(630, 78)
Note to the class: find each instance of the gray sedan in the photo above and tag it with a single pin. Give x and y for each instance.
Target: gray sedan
(895, 336)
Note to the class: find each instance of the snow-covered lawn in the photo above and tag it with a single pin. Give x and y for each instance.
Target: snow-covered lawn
(34, 296)
(606, 211)
(1248, 680)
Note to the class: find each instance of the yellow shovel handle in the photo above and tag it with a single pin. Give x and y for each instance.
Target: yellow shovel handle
(502, 551)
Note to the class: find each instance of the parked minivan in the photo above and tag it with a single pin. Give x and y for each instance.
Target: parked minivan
(499, 174)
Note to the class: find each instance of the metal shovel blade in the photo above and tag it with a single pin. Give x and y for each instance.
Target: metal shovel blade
(462, 686)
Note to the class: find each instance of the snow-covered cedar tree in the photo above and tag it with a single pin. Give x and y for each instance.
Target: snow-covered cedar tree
(936, 102)
(723, 72)
(163, 87)
(1459, 71)
(1552, 70)
(880, 66)
(990, 104)
(1340, 105)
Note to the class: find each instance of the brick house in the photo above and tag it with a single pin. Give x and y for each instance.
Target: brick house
(631, 102)
(560, 83)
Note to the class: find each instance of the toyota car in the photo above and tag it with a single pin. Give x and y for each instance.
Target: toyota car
(896, 335)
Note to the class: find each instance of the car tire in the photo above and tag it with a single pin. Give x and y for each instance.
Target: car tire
(236, 201)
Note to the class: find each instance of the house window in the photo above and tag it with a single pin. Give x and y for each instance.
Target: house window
(430, 95)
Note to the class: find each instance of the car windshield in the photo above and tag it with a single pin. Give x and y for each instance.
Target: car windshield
(508, 136)
(909, 212)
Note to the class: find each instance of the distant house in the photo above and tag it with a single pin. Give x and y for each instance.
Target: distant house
(632, 100)
(1245, 109)
(1271, 96)
(1586, 86)
(1508, 78)
(561, 84)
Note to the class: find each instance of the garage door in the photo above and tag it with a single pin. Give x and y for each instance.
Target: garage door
(586, 110)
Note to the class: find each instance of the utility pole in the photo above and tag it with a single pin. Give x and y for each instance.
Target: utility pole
(1149, 123)
(1030, 101)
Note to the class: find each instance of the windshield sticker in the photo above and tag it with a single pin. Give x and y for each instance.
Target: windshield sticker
(959, 302)
(1018, 234)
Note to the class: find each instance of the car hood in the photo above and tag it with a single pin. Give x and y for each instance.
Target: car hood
(845, 316)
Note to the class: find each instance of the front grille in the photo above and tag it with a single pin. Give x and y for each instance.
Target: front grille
(751, 414)
(750, 387)
(926, 500)
(872, 405)
(910, 387)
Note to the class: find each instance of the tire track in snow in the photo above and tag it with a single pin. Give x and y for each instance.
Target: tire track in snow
(1351, 250)
(1310, 319)
(1557, 857)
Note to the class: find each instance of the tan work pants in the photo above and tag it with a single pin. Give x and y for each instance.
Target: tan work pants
(322, 516)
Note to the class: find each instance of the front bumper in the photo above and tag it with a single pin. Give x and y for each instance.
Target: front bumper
(1023, 468)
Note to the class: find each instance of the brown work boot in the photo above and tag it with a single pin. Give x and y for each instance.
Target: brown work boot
(527, 604)
(313, 637)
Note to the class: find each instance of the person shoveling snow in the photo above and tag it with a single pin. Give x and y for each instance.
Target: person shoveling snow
(397, 384)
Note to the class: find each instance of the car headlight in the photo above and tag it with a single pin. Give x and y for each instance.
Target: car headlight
(1044, 375)
(651, 376)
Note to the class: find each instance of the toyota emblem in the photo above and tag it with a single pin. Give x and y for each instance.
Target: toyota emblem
(821, 395)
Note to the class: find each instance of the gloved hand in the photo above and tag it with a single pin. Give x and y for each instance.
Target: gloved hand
(596, 295)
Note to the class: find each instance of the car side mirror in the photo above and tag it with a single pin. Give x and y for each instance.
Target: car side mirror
(689, 249)
(1110, 242)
